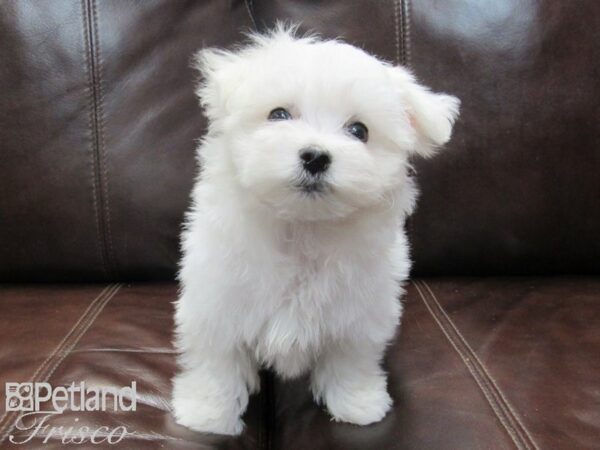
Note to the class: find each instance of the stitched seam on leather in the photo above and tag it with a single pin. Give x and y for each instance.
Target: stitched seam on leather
(511, 413)
(92, 318)
(406, 32)
(397, 30)
(250, 8)
(402, 21)
(500, 414)
(148, 351)
(91, 121)
(68, 341)
(98, 148)
(477, 366)
(101, 139)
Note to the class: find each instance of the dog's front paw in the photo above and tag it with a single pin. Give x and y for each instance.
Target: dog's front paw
(204, 416)
(361, 405)
(205, 410)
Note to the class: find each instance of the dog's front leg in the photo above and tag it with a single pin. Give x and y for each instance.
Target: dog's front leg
(349, 380)
(211, 393)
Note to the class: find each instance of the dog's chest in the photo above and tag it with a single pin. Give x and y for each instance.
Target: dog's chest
(310, 295)
(300, 301)
(299, 306)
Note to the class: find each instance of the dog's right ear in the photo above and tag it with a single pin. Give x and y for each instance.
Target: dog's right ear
(431, 114)
(218, 80)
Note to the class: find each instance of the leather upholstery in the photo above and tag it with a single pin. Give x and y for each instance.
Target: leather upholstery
(99, 121)
(107, 335)
(478, 363)
(495, 363)
(517, 190)
(97, 128)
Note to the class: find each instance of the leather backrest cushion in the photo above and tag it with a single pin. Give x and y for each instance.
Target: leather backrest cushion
(517, 190)
(98, 123)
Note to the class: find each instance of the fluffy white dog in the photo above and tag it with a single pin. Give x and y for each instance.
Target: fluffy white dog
(294, 249)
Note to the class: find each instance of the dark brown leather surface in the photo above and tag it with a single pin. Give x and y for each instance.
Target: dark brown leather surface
(104, 336)
(540, 341)
(517, 190)
(478, 364)
(437, 404)
(47, 215)
(98, 121)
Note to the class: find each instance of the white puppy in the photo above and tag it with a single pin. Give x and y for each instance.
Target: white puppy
(294, 249)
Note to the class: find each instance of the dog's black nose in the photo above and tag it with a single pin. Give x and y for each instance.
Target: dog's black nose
(315, 161)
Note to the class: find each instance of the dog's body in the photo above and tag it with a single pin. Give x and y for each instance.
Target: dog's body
(294, 250)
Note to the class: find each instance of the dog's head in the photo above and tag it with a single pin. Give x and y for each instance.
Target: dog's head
(317, 129)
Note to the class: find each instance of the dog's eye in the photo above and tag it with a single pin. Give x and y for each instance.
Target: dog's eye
(280, 114)
(359, 131)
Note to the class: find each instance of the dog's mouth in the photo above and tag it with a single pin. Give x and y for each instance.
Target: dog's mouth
(313, 186)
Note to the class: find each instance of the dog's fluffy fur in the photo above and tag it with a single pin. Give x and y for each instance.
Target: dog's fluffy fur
(274, 275)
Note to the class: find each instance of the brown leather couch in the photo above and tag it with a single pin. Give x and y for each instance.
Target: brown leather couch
(500, 342)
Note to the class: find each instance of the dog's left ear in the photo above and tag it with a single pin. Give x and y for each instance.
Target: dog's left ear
(432, 115)
(219, 80)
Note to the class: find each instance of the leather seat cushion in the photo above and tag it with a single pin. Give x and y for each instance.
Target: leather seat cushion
(478, 363)
(104, 336)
